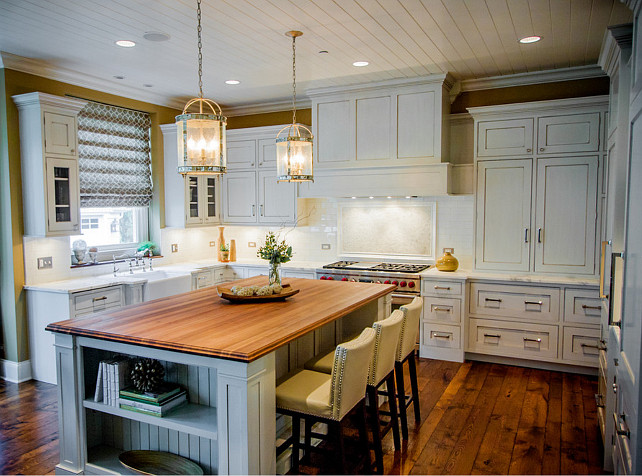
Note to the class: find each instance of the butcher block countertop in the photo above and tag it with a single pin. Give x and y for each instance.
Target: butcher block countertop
(200, 322)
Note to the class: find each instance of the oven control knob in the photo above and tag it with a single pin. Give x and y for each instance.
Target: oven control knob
(323, 277)
(395, 282)
(411, 284)
(403, 284)
(354, 280)
(344, 279)
(378, 282)
(330, 278)
(387, 281)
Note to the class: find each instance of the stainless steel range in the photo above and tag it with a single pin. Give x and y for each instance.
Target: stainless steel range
(405, 276)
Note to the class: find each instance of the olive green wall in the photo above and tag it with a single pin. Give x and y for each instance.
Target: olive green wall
(15, 336)
(303, 116)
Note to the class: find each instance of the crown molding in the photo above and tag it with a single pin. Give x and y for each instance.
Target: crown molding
(591, 102)
(265, 107)
(446, 79)
(47, 70)
(37, 99)
(536, 77)
(617, 38)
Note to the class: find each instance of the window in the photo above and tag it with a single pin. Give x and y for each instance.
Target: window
(114, 165)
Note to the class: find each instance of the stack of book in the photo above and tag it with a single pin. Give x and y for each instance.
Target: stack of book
(157, 404)
(113, 375)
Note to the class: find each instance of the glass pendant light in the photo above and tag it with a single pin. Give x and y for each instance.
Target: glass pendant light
(294, 147)
(201, 135)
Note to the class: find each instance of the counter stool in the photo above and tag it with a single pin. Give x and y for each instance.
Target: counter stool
(319, 397)
(405, 353)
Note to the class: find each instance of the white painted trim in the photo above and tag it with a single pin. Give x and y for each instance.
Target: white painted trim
(47, 70)
(447, 80)
(535, 77)
(15, 372)
(532, 364)
(534, 107)
(38, 99)
(266, 107)
(254, 133)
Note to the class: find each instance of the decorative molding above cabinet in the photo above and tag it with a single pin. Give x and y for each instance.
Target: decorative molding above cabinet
(49, 163)
(389, 131)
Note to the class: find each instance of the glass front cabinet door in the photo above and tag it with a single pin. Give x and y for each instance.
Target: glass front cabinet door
(200, 200)
(62, 195)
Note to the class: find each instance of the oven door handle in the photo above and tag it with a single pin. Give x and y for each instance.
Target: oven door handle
(401, 298)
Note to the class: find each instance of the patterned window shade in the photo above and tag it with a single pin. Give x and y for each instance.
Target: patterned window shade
(114, 157)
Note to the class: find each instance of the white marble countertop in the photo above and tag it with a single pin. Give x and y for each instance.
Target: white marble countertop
(463, 274)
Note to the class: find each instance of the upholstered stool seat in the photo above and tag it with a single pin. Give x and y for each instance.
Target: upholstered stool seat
(321, 363)
(328, 398)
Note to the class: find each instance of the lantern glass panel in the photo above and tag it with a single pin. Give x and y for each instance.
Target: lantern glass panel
(294, 159)
(200, 145)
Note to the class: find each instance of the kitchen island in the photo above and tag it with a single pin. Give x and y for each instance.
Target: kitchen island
(228, 356)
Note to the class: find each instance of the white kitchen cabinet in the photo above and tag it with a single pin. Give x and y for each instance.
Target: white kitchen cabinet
(505, 137)
(503, 215)
(333, 132)
(267, 153)
(190, 200)
(565, 216)
(241, 154)
(239, 197)
(49, 163)
(276, 200)
(373, 138)
(568, 133)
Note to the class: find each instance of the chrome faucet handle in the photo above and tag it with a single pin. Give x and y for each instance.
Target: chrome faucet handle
(113, 257)
(150, 264)
(131, 266)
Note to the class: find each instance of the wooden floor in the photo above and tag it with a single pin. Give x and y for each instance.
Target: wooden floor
(475, 418)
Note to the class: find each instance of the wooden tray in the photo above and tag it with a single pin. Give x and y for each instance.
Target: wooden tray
(286, 292)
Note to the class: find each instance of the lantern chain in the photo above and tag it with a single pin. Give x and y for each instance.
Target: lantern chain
(293, 79)
(200, 52)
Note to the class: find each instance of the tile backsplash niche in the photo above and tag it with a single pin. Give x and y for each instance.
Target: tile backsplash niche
(318, 222)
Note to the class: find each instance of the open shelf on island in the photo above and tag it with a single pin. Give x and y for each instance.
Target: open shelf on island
(103, 459)
(197, 420)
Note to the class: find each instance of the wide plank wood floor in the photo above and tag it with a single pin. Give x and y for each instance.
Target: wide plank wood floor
(476, 418)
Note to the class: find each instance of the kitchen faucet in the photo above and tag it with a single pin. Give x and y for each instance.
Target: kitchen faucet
(114, 263)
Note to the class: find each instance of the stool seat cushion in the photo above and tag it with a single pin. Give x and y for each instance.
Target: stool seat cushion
(321, 363)
(306, 391)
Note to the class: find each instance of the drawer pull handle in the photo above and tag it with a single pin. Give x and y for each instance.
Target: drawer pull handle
(590, 346)
(441, 336)
(536, 303)
(442, 309)
(445, 288)
(525, 235)
(530, 339)
(497, 336)
(102, 298)
(618, 426)
(599, 400)
(597, 308)
(493, 300)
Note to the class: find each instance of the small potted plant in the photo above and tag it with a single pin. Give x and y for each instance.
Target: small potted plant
(225, 252)
(276, 253)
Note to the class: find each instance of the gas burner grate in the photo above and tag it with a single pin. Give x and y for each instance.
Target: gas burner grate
(339, 264)
(400, 267)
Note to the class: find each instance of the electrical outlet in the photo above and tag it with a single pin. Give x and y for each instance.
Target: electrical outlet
(325, 246)
(251, 244)
(45, 263)
(174, 247)
(212, 243)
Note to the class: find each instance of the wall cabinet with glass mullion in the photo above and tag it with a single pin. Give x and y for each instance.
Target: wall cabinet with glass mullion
(200, 200)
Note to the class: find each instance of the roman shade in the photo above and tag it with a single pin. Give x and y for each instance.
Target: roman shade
(114, 162)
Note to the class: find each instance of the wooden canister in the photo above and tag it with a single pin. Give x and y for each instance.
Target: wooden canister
(232, 250)
(221, 241)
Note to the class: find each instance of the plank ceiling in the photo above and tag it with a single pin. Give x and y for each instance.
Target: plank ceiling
(244, 40)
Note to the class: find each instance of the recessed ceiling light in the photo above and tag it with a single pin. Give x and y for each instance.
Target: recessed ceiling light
(119, 77)
(354, 198)
(126, 43)
(407, 196)
(147, 85)
(232, 81)
(530, 39)
(156, 36)
(389, 197)
(360, 63)
(370, 198)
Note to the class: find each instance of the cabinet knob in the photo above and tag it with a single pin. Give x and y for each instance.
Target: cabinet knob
(541, 149)
(529, 150)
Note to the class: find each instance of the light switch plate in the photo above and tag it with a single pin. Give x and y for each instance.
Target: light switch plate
(174, 247)
(212, 243)
(325, 246)
(45, 262)
(251, 244)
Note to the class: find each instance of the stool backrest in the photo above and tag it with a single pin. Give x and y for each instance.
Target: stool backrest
(409, 327)
(350, 372)
(385, 347)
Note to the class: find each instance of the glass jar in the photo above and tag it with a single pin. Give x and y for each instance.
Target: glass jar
(274, 273)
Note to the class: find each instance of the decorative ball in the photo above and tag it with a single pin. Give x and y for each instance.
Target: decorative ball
(147, 375)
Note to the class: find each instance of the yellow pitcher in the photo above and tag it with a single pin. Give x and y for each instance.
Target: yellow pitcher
(447, 262)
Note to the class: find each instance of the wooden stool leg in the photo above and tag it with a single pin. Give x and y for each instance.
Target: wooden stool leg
(296, 442)
(363, 435)
(373, 398)
(394, 418)
(341, 447)
(401, 392)
(412, 367)
(307, 442)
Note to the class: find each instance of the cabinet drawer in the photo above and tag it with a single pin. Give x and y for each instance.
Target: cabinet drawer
(203, 279)
(500, 138)
(442, 310)
(441, 288)
(524, 302)
(581, 345)
(582, 306)
(570, 133)
(97, 300)
(439, 335)
(526, 341)
(219, 275)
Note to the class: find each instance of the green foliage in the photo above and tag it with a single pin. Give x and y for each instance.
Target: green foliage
(225, 247)
(273, 251)
(148, 248)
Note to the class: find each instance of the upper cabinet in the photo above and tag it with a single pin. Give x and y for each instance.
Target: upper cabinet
(383, 124)
(191, 200)
(49, 163)
(538, 185)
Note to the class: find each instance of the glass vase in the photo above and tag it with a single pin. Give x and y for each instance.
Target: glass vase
(274, 273)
